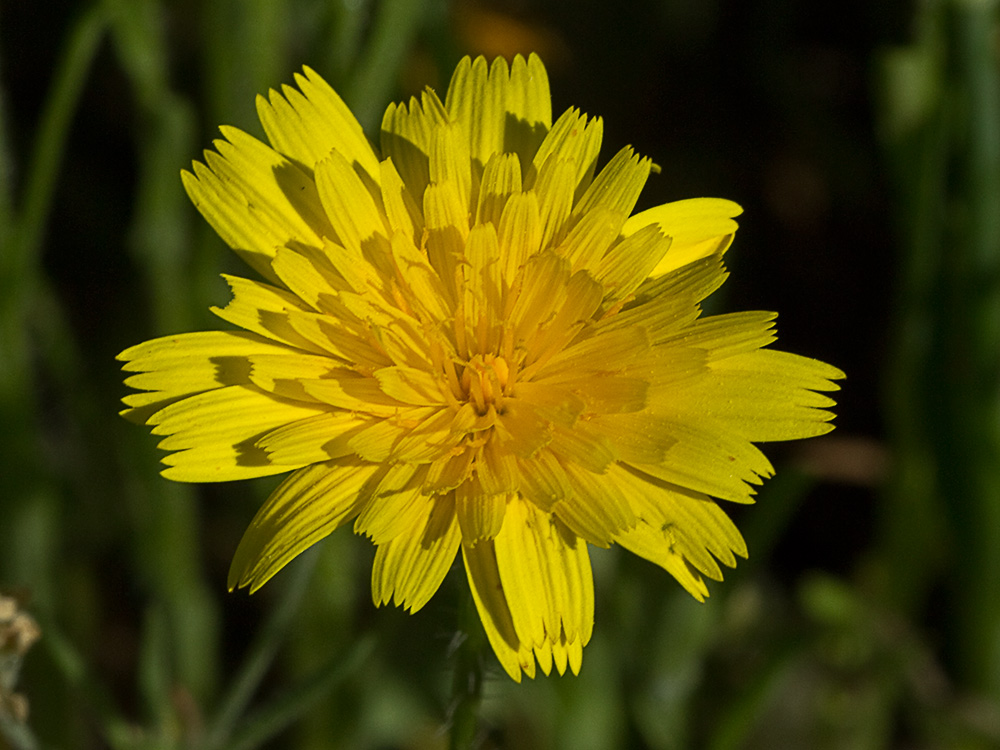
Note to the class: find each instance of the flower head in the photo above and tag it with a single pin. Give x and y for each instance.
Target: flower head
(464, 342)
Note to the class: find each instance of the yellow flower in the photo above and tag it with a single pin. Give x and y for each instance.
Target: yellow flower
(466, 343)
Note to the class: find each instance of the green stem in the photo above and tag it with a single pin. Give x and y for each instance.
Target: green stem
(467, 683)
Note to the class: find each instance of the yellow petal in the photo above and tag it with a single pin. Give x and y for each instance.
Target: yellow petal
(186, 363)
(349, 203)
(310, 276)
(722, 336)
(522, 428)
(574, 139)
(387, 517)
(423, 292)
(306, 126)
(637, 437)
(397, 507)
(543, 479)
(519, 232)
(611, 349)
(500, 109)
(683, 522)
(699, 228)
(417, 434)
(427, 435)
(255, 199)
(443, 208)
(496, 469)
(410, 385)
(449, 471)
(711, 459)
(542, 292)
(264, 310)
(346, 389)
(554, 187)
(762, 395)
(224, 414)
(449, 161)
(491, 603)
(447, 221)
(551, 402)
(312, 440)
(617, 187)
(543, 653)
(669, 304)
(341, 345)
(529, 107)
(583, 295)
(582, 445)
(589, 239)
(406, 137)
(596, 509)
(480, 516)
(602, 392)
(282, 374)
(409, 568)
(629, 262)
(216, 433)
(546, 577)
(304, 508)
(501, 179)
(650, 542)
(481, 277)
(401, 209)
(349, 342)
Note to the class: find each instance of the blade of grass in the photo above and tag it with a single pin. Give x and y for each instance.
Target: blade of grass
(467, 680)
(972, 454)
(293, 703)
(375, 77)
(916, 131)
(36, 344)
(86, 689)
(21, 239)
(232, 77)
(262, 653)
(165, 545)
(349, 20)
(67, 86)
(943, 385)
(6, 176)
(159, 233)
(734, 726)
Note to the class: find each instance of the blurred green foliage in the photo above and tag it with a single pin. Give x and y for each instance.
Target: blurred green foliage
(864, 142)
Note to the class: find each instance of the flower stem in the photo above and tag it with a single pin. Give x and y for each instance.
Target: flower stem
(467, 684)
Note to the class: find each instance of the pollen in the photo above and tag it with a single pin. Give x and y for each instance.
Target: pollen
(484, 382)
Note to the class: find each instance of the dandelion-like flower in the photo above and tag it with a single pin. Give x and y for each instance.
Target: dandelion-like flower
(464, 343)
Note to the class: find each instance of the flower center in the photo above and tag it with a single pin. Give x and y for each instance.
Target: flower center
(484, 381)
